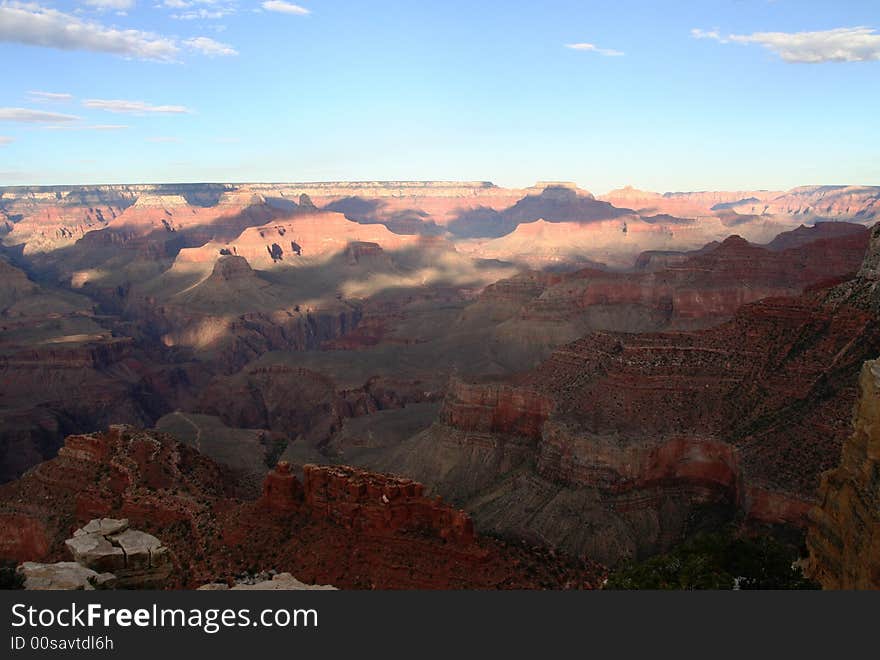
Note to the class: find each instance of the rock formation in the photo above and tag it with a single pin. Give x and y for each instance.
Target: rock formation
(137, 559)
(277, 582)
(349, 528)
(635, 432)
(282, 491)
(381, 505)
(63, 576)
(107, 554)
(844, 532)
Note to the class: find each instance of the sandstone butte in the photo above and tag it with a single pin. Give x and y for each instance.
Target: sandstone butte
(339, 526)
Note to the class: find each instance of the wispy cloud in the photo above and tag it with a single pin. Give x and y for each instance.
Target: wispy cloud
(605, 52)
(29, 116)
(855, 44)
(697, 33)
(284, 7)
(204, 14)
(210, 47)
(4, 140)
(49, 97)
(119, 5)
(133, 107)
(31, 24)
(204, 10)
(87, 127)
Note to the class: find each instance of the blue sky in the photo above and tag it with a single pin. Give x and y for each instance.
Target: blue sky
(689, 95)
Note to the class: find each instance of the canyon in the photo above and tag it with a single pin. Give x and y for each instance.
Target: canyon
(585, 380)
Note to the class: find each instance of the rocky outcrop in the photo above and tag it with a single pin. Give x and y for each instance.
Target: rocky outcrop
(381, 505)
(365, 502)
(277, 582)
(107, 554)
(282, 492)
(63, 576)
(844, 531)
(232, 268)
(342, 532)
(862, 291)
(137, 559)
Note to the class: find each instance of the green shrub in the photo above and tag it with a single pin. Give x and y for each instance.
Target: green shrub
(717, 560)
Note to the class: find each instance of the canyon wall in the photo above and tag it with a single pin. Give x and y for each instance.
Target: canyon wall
(618, 442)
(844, 531)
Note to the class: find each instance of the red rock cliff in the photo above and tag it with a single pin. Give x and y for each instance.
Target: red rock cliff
(381, 504)
(495, 407)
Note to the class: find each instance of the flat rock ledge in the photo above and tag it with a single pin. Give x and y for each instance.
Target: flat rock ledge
(279, 582)
(107, 554)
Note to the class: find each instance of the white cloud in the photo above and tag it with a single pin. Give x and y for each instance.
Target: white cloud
(31, 24)
(92, 127)
(4, 140)
(215, 10)
(183, 4)
(34, 25)
(855, 44)
(33, 116)
(49, 97)
(209, 47)
(133, 107)
(697, 33)
(284, 7)
(606, 52)
(202, 14)
(111, 4)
